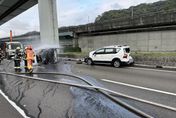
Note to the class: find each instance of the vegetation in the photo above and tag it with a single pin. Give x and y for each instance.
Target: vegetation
(72, 49)
(161, 6)
(133, 54)
(73, 54)
(154, 54)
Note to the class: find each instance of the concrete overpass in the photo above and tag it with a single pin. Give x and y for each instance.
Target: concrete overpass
(47, 15)
(145, 32)
(11, 8)
(66, 39)
(151, 32)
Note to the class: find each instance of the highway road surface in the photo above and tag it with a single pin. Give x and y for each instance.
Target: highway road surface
(157, 87)
(149, 90)
(7, 110)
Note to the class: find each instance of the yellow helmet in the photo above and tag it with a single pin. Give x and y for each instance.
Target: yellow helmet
(18, 48)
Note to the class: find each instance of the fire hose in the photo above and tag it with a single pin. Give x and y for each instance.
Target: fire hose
(104, 91)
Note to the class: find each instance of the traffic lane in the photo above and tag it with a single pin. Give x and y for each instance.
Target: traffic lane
(7, 110)
(98, 72)
(61, 67)
(159, 98)
(150, 78)
(168, 99)
(83, 103)
(156, 112)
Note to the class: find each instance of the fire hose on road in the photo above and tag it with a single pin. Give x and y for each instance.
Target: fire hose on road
(102, 90)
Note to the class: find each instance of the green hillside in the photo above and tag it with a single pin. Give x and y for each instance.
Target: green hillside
(161, 6)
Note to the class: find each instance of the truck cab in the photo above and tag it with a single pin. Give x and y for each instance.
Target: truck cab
(10, 48)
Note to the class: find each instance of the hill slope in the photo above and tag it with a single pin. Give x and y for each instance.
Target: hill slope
(161, 6)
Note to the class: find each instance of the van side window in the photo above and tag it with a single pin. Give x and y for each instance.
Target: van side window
(117, 50)
(109, 50)
(100, 51)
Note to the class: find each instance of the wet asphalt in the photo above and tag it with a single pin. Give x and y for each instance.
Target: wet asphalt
(7, 110)
(160, 80)
(44, 100)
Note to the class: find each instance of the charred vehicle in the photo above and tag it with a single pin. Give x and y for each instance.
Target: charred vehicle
(47, 56)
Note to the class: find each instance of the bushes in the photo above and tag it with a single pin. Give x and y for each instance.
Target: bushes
(72, 49)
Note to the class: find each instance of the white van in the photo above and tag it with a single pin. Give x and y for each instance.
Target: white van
(115, 55)
(10, 48)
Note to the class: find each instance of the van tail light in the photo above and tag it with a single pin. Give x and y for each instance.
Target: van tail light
(125, 56)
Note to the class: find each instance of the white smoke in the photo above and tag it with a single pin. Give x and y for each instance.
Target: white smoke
(46, 46)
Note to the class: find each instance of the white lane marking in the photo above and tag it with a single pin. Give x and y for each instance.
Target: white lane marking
(142, 100)
(139, 87)
(157, 70)
(14, 105)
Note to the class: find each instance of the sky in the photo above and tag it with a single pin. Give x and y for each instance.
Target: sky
(70, 12)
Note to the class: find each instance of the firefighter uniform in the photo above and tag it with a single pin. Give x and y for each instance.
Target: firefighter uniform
(17, 60)
(1, 55)
(25, 59)
(30, 58)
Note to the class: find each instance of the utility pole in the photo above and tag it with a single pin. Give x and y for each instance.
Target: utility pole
(88, 23)
(10, 35)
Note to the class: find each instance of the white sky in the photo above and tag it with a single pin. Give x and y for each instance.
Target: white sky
(70, 12)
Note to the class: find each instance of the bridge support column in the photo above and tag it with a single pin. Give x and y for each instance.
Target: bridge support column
(75, 40)
(48, 22)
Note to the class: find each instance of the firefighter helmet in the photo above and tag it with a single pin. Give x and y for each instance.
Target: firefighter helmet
(29, 47)
(18, 48)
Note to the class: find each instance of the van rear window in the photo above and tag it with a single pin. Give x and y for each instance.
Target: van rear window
(127, 50)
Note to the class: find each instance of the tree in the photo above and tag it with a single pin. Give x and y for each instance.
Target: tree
(142, 9)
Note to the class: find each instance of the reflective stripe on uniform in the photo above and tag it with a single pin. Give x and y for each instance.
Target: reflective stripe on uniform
(17, 59)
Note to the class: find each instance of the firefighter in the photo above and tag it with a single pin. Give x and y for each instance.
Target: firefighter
(30, 58)
(17, 60)
(25, 59)
(1, 55)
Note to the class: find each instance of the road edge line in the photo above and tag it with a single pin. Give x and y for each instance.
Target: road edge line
(14, 105)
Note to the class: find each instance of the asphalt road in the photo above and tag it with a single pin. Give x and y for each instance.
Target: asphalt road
(48, 100)
(156, 86)
(7, 110)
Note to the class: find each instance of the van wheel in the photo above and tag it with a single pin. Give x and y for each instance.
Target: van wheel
(89, 62)
(116, 63)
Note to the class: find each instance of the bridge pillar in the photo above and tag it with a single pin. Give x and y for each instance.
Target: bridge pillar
(48, 22)
(75, 40)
